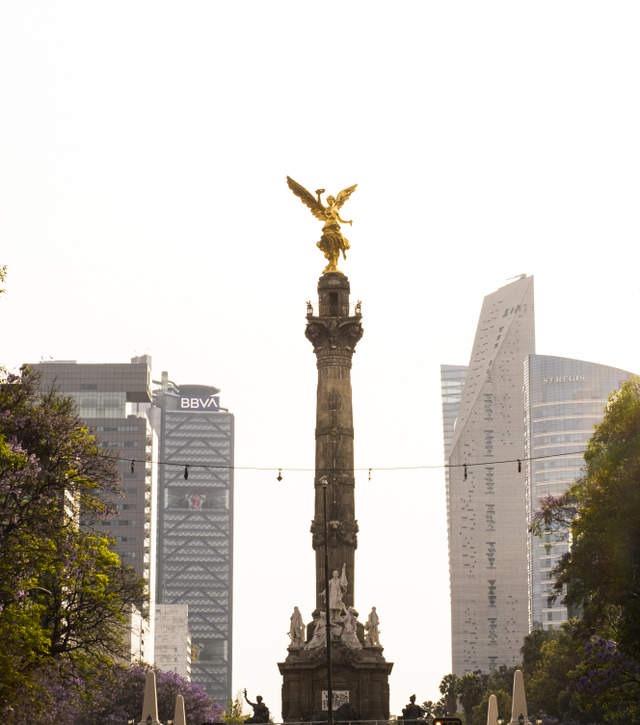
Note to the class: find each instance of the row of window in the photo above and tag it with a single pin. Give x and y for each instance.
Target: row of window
(116, 428)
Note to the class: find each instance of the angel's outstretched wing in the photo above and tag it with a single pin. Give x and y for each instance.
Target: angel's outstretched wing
(307, 198)
(344, 195)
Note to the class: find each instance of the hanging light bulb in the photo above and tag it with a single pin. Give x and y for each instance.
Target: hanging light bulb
(279, 474)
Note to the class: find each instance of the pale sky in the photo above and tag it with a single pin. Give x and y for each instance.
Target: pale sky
(143, 208)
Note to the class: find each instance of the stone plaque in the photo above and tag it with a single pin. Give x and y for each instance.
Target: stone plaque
(340, 697)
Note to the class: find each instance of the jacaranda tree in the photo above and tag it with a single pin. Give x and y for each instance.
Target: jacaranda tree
(63, 592)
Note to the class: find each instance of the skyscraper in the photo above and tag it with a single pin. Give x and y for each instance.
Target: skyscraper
(563, 400)
(452, 379)
(487, 528)
(196, 524)
(112, 399)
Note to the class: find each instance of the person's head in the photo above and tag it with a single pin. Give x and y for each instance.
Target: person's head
(412, 699)
(373, 609)
(335, 575)
(295, 609)
(259, 698)
(331, 200)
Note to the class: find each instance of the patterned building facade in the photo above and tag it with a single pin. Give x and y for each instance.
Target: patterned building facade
(195, 563)
(486, 501)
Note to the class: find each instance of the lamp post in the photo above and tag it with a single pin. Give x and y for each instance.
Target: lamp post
(325, 484)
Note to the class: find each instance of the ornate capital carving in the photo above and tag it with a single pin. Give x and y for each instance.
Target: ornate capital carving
(333, 335)
(340, 534)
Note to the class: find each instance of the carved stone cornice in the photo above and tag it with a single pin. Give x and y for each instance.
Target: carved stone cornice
(333, 335)
(333, 431)
(340, 534)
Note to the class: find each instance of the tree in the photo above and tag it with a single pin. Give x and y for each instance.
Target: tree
(449, 690)
(504, 706)
(470, 692)
(235, 712)
(551, 684)
(600, 575)
(123, 697)
(63, 593)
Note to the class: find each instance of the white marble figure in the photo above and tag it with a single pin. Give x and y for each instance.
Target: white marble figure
(337, 587)
(296, 630)
(372, 631)
(349, 634)
(319, 638)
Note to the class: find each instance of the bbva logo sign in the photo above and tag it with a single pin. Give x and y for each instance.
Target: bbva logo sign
(211, 403)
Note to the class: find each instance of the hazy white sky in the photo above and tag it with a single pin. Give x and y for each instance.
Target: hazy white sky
(143, 208)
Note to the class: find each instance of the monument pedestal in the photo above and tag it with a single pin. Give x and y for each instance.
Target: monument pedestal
(363, 674)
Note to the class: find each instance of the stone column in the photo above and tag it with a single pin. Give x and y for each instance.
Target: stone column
(179, 717)
(150, 706)
(334, 333)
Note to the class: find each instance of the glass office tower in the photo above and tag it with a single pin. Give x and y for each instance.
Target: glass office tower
(196, 524)
(563, 400)
(115, 400)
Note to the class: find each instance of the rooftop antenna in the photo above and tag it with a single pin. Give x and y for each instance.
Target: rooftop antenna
(518, 276)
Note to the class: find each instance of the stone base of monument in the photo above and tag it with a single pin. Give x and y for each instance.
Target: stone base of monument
(359, 677)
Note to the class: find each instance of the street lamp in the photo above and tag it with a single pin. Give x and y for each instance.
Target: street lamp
(325, 483)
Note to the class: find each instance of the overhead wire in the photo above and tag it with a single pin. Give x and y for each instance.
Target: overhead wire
(369, 469)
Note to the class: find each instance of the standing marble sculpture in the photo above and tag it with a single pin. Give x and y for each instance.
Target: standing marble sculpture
(372, 629)
(296, 630)
(337, 587)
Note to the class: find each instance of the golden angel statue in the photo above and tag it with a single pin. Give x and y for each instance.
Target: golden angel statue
(332, 242)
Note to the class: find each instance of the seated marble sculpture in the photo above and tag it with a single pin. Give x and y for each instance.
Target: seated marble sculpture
(260, 710)
(412, 711)
(349, 634)
(319, 638)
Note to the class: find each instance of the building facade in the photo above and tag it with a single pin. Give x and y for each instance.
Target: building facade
(195, 564)
(563, 400)
(486, 498)
(112, 399)
(173, 639)
(452, 379)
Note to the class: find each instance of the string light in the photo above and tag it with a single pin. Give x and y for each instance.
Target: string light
(464, 466)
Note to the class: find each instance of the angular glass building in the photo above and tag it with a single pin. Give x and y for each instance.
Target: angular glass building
(563, 400)
(195, 558)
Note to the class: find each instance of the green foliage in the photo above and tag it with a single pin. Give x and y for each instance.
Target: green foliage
(504, 706)
(235, 712)
(63, 593)
(601, 573)
(449, 687)
(470, 691)
(551, 681)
